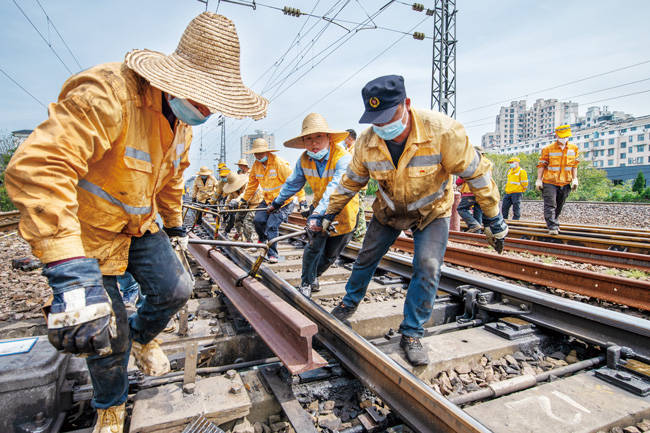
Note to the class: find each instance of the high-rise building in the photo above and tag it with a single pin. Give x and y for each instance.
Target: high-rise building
(247, 143)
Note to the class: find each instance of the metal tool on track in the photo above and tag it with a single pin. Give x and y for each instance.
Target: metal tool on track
(200, 424)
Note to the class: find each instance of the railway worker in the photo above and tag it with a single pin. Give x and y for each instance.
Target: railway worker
(412, 154)
(90, 181)
(204, 187)
(269, 172)
(321, 165)
(218, 195)
(516, 185)
(557, 175)
(361, 227)
(233, 189)
(242, 166)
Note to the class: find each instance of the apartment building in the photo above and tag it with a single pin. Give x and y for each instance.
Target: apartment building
(247, 143)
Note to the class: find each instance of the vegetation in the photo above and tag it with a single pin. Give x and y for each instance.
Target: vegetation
(7, 149)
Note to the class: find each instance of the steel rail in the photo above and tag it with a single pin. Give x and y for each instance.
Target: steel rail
(591, 228)
(287, 332)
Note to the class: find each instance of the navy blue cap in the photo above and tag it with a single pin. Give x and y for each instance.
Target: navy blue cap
(381, 97)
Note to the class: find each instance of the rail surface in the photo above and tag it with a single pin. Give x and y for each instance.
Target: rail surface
(9, 220)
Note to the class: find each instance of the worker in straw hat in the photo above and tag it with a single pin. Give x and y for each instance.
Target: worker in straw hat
(242, 166)
(321, 165)
(269, 172)
(516, 184)
(90, 181)
(233, 191)
(204, 186)
(557, 175)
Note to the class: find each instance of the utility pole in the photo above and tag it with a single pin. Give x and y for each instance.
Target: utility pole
(222, 151)
(443, 73)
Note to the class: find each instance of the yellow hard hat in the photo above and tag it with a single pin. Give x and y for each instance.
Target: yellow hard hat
(563, 131)
(221, 165)
(514, 159)
(223, 172)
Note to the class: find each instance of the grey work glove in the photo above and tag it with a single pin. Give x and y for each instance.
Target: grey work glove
(496, 230)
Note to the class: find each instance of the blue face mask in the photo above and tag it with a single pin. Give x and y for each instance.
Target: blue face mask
(224, 179)
(186, 112)
(390, 130)
(263, 160)
(513, 165)
(318, 155)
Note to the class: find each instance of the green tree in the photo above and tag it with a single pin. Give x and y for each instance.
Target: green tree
(7, 149)
(639, 183)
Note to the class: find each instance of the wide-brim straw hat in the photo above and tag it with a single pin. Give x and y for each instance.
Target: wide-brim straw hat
(235, 181)
(312, 124)
(204, 68)
(260, 145)
(204, 171)
(242, 162)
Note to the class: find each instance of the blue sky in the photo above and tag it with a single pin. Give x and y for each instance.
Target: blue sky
(506, 49)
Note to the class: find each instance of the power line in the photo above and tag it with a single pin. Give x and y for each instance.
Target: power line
(559, 85)
(43, 37)
(24, 90)
(57, 32)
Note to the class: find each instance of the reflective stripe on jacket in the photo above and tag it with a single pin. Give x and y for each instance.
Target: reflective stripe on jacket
(558, 163)
(269, 177)
(517, 180)
(202, 191)
(419, 189)
(347, 219)
(99, 169)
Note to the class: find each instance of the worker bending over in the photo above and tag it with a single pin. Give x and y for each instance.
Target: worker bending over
(321, 165)
(557, 175)
(90, 181)
(203, 189)
(412, 154)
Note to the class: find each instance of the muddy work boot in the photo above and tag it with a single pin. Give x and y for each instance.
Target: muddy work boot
(343, 312)
(553, 232)
(110, 420)
(150, 358)
(415, 353)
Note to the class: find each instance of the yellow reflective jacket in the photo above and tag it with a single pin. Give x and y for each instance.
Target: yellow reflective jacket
(269, 177)
(99, 169)
(347, 218)
(517, 180)
(558, 163)
(419, 189)
(202, 191)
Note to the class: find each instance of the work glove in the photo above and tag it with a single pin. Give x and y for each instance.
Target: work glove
(273, 207)
(305, 209)
(574, 184)
(80, 319)
(242, 204)
(234, 204)
(177, 236)
(539, 185)
(317, 223)
(496, 230)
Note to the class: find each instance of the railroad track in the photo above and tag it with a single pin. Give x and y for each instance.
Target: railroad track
(9, 220)
(538, 319)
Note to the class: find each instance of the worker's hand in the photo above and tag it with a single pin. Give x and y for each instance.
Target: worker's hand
(234, 203)
(496, 230)
(539, 185)
(273, 207)
(315, 223)
(81, 319)
(194, 200)
(177, 236)
(305, 209)
(242, 204)
(574, 184)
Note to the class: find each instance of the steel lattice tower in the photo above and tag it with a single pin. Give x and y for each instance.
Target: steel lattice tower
(222, 151)
(443, 74)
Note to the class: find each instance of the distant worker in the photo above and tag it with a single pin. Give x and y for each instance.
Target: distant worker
(412, 154)
(360, 227)
(233, 190)
(321, 165)
(557, 175)
(269, 172)
(242, 166)
(516, 185)
(468, 209)
(218, 196)
(91, 180)
(203, 189)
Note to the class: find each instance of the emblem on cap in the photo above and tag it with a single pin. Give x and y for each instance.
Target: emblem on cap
(374, 102)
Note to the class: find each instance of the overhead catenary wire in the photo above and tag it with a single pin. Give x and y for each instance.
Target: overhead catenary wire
(60, 36)
(43, 37)
(23, 89)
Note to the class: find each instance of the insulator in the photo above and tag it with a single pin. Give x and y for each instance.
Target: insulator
(418, 7)
(429, 12)
(418, 35)
(294, 12)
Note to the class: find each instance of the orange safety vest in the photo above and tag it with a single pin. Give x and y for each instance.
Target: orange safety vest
(558, 163)
(347, 218)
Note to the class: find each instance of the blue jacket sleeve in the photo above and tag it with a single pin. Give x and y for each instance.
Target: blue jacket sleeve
(292, 185)
(341, 166)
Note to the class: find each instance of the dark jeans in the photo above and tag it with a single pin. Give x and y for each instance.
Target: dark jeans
(430, 245)
(266, 224)
(513, 199)
(199, 218)
(472, 219)
(229, 220)
(554, 198)
(320, 253)
(165, 287)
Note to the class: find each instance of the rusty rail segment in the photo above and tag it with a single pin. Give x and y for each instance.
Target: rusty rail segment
(9, 220)
(287, 332)
(594, 256)
(586, 228)
(626, 291)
